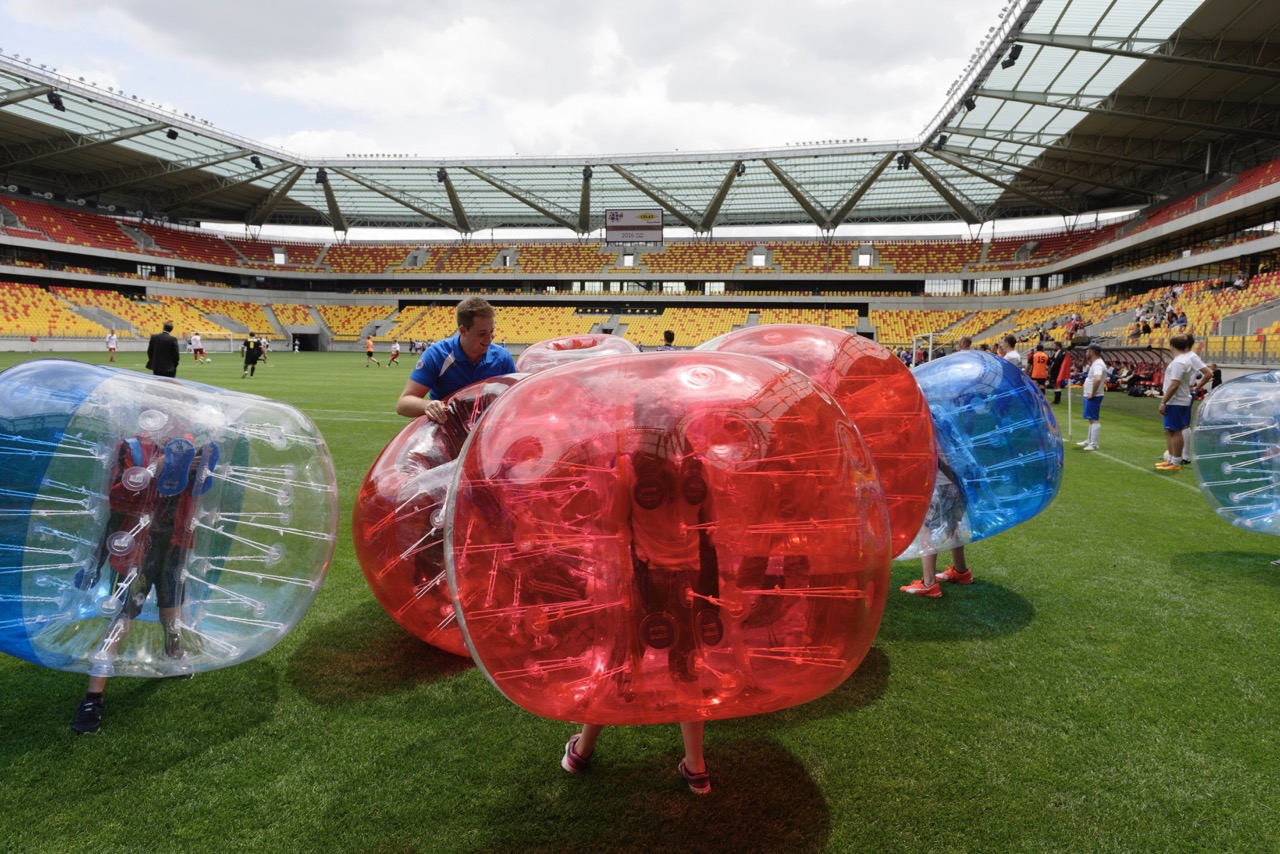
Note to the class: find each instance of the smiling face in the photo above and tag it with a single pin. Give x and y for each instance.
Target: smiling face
(476, 340)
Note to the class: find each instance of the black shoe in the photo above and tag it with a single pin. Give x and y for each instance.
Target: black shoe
(88, 717)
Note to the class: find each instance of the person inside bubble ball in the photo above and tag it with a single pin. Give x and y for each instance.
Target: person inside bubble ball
(455, 362)
(155, 480)
(663, 504)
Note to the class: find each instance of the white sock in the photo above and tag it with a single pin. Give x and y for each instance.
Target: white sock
(1186, 443)
(1094, 429)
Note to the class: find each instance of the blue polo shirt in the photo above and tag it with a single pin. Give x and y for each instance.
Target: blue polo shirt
(444, 368)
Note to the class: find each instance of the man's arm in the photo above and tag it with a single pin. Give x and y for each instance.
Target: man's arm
(414, 402)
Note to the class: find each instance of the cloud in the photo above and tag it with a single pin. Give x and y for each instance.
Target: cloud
(495, 77)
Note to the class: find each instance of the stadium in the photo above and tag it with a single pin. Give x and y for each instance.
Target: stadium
(1107, 171)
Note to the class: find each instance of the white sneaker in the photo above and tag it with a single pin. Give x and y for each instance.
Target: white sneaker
(1089, 448)
(1082, 444)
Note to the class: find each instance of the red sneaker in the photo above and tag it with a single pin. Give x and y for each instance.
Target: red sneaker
(919, 588)
(951, 575)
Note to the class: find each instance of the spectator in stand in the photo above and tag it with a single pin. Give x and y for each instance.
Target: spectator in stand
(112, 341)
(1095, 386)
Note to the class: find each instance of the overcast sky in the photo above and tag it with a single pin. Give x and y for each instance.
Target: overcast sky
(447, 78)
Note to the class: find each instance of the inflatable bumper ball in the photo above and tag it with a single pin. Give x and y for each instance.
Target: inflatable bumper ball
(684, 536)
(879, 395)
(555, 352)
(1236, 437)
(398, 520)
(153, 527)
(999, 449)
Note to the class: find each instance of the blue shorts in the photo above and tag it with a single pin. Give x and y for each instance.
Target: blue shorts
(1092, 405)
(1177, 418)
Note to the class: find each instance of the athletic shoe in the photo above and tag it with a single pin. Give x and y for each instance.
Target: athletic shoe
(919, 588)
(1089, 448)
(572, 762)
(88, 717)
(699, 784)
(1171, 467)
(1082, 444)
(951, 575)
(1186, 462)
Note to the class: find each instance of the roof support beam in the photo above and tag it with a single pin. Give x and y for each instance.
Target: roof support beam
(1205, 54)
(18, 155)
(952, 198)
(584, 203)
(1148, 109)
(843, 209)
(455, 204)
(89, 185)
(808, 203)
(262, 211)
(542, 206)
(19, 95)
(713, 207)
(1060, 176)
(413, 203)
(1084, 147)
(336, 218)
(1008, 188)
(188, 195)
(667, 203)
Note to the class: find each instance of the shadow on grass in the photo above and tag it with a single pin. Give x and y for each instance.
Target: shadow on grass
(977, 611)
(762, 800)
(364, 654)
(148, 725)
(1255, 566)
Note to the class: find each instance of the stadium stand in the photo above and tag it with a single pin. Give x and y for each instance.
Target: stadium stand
(464, 258)
(919, 256)
(564, 258)
(364, 258)
(27, 310)
(203, 248)
(531, 324)
(692, 326)
(347, 322)
(697, 258)
(248, 314)
(292, 314)
(898, 327)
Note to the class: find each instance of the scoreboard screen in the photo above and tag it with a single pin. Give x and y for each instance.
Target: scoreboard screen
(633, 226)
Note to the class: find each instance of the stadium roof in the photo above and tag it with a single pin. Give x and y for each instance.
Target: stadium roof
(1068, 106)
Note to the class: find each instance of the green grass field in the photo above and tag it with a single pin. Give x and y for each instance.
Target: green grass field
(1109, 683)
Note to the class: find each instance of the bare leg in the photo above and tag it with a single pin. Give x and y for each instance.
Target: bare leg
(693, 758)
(928, 569)
(587, 740)
(957, 559)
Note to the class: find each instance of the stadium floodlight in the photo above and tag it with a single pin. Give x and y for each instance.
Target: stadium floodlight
(970, 104)
(56, 100)
(739, 169)
(171, 133)
(441, 175)
(322, 177)
(586, 173)
(904, 161)
(1014, 53)
(256, 161)
(942, 140)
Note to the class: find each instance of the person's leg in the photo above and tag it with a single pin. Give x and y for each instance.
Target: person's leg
(578, 749)
(694, 762)
(929, 569)
(1095, 430)
(1175, 446)
(1186, 444)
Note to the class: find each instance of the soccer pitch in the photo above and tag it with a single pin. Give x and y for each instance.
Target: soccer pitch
(1109, 682)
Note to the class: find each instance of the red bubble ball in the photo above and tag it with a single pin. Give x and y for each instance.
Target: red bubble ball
(879, 395)
(555, 352)
(671, 537)
(398, 519)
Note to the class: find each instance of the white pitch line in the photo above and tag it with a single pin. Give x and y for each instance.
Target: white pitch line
(1171, 478)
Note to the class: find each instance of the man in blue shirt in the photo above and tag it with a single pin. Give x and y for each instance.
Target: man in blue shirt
(455, 362)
